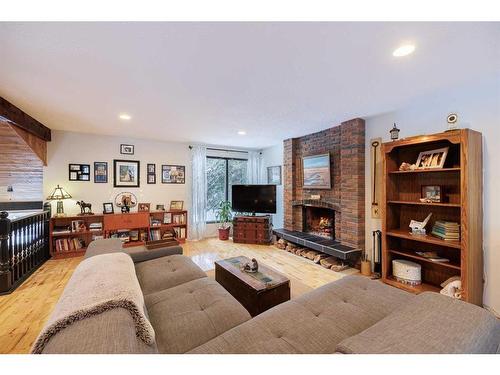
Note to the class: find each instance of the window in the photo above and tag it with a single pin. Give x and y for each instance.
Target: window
(222, 173)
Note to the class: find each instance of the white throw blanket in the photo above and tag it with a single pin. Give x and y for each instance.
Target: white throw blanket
(99, 284)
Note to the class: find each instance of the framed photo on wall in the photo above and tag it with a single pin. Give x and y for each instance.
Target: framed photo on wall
(127, 149)
(100, 172)
(79, 172)
(274, 175)
(316, 172)
(126, 173)
(173, 174)
(151, 174)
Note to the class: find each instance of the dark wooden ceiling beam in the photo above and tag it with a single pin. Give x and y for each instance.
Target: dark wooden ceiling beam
(9, 112)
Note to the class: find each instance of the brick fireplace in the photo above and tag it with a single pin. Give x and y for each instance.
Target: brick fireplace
(342, 207)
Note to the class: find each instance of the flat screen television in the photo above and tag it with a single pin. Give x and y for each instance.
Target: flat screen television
(254, 198)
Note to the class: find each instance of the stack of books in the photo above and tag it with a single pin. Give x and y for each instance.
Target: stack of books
(155, 222)
(168, 235)
(95, 227)
(446, 230)
(62, 229)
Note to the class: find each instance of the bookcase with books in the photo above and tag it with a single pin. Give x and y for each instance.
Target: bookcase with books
(448, 185)
(70, 236)
(168, 224)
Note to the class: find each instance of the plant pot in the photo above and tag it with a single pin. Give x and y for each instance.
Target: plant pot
(366, 268)
(224, 234)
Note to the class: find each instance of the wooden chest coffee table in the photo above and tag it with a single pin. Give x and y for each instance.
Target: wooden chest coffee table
(257, 292)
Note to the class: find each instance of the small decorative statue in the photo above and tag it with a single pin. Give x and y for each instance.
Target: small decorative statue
(85, 208)
(407, 167)
(251, 267)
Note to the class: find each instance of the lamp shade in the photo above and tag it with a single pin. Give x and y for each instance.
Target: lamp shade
(58, 194)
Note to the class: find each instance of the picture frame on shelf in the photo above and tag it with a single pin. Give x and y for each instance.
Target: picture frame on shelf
(176, 205)
(143, 207)
(432, 159)
(173, 174)
(274, 175)
(79, 172)
(100, 172)
(108, 208)
(78, 226)
(126, 173)
(151, 173)
(167, 218)
(432, 193)
(127, 149)
(160, 207)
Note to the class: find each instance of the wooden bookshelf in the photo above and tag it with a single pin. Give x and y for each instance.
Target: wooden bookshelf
(84, 236)
(461, 183)
(178, 223)
(112, 225)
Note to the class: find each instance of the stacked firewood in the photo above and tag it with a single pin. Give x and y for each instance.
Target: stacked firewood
(324, 260)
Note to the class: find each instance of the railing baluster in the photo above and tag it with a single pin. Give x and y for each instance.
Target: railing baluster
(5, 272)
(24, 245)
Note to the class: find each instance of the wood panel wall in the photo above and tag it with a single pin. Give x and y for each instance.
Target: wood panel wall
(20, 166)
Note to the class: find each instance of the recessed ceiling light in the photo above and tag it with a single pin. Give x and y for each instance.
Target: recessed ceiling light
(404, 50)
(124, 116)
(242, 132)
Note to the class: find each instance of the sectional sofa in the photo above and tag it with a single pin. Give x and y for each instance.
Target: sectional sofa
(191, 313)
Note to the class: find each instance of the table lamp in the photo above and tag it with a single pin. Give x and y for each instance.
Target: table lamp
(58, 195)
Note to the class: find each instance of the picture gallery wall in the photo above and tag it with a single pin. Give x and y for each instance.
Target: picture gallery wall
(97, 168)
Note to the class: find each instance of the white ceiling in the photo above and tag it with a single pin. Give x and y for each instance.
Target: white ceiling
(202, 82)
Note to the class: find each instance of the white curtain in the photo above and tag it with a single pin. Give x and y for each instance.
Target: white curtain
(255, 168)
(198, 211)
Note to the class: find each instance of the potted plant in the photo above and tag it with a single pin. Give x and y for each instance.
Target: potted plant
(224, 217)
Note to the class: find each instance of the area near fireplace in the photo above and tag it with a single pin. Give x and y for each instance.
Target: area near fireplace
(334, 222)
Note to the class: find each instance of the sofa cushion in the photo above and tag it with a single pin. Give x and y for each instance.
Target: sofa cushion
(315, 322)
(191, 314)
(166, 272)
(431, 323)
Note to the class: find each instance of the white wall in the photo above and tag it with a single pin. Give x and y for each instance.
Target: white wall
(273, 156)
(68, 147)
(478, 108)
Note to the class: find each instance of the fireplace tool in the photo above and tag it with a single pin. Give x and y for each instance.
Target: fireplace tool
(377, 254)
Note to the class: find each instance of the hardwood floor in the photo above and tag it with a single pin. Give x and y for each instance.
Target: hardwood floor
(23, 313)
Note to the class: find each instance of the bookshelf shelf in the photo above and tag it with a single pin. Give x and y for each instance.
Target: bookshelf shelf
(460, 181)
(409, 254)
(441, 170)
(456, 205)
(405, 234)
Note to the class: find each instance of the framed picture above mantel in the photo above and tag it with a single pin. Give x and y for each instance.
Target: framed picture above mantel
(126, 173)
(316, 172)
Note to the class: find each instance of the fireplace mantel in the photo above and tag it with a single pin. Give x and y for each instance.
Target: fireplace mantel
(320, 203)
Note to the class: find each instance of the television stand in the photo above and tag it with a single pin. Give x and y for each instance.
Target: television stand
(252, 229)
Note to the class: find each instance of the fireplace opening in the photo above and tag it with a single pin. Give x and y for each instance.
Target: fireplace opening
(319, 221)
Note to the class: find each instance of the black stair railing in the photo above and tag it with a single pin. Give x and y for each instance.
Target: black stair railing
(24, 246)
